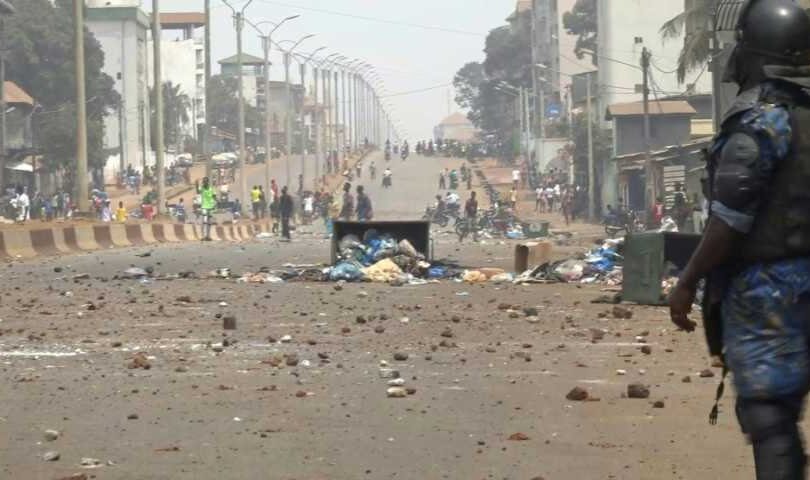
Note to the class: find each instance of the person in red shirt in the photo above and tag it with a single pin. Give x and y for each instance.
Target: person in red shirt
(658, 212)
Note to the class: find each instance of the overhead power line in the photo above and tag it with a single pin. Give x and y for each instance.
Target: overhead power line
(411, 92)
(437, 28)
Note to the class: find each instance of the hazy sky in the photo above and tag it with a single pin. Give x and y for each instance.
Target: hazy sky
(407, 58)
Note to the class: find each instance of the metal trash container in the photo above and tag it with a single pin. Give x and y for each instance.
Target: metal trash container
(645, 258)
(538, 229)
(416, 232)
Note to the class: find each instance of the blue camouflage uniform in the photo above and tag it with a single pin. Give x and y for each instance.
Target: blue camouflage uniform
(766, 309)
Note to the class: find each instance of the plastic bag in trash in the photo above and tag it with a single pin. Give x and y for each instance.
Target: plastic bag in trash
(474, 276)
(407, 248)
(668, 225)
(437, 272)
(383, 271)
(502, 278)
(348, 271)
(571, 270)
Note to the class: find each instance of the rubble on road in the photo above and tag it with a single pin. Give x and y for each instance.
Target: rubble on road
(599, 265)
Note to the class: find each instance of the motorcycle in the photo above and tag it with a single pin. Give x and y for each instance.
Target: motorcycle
(434, 216)
(404, 155)
(627, 222)
(387, 156)
(386, 181)
(373, 172)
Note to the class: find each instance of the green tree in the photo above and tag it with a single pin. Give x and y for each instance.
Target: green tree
(508, 59)
(176, 108)
(40, 58)
(583, 21)
(694, 24)
(224, 104)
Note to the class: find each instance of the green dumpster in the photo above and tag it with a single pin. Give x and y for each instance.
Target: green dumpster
(647, 257)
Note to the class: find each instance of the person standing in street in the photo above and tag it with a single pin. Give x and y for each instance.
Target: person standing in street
(286, 210)
(513, 197)
(755, 250)
(516, 178)
(208, 202)
(262, 203)
(347, 210)
(471, 215)
(365, 212)
(255, 201)
(442, 180)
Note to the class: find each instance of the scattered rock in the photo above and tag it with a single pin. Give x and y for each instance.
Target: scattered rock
(397, 382)
(52, 435)
(229, 322)
(518, 437)
(181, 369)
(116, 344)
(300, 394)
(379, 329)
(140, 360)
(397, 392)
(410, 391)
(622, 312)
(638, 390)
(184, 299)
(291, 359)
(360, 319)
(686, 379)
(646, 349)
(286, 339)
(706, 373)
(400, 356)
(577, 394)
(530, 311)
(658, 404)
(389, 373)
(621, 372)
(362, 294)
(51, 456)
(132, 416)
(90, 462)
(75, 476)
(447, 333)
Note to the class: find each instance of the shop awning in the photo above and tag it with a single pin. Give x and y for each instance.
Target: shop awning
(20, 167)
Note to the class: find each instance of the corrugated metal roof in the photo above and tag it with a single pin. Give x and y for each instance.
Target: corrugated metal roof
(247, 60)
(665, 107)
(727, 14)
(15, 94)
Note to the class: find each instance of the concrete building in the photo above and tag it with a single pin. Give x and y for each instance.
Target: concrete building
(120, 26)
(455, 127)
(182, 51)
(625, 28)
(670, 125)
(252, 75)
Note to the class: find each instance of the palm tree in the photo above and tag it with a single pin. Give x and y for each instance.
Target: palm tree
(694, 23)
(176, 107)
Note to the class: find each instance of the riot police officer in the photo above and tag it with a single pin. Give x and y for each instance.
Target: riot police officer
(755, 251)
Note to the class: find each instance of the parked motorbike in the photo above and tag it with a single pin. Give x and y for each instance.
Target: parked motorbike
(386, 181)
(624, 223)
(434, 216)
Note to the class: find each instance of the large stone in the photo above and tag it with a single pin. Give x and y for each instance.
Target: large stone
(51, 435)
(397, 392)
(638, 390)
(577, 394)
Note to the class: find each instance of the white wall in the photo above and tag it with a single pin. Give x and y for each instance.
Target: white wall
(125, 62)
(180, 68)
(620, 21)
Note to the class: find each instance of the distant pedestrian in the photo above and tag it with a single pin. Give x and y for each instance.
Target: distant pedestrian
(539, 195)
(286, 212)
(513, 197)
(516, 178)
(106, 212)
(262, 203)
(121, 213)
(442, 180)
(255, 201)
(365, 212)
(347, 210)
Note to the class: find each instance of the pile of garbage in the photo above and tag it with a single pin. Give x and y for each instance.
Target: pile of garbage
(382, 258)
(600, 265)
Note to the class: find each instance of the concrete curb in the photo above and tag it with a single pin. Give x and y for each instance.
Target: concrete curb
(39, 242)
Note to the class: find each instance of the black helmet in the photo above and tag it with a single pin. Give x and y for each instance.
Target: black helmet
(769, 32)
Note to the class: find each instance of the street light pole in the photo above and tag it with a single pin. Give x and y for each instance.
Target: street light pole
(289, 115)
(81, 111)
(160, 158)
(267, 44)
(239, 18)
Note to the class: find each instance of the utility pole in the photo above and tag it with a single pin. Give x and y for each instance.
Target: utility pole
(341, 153)
(2, 105)
(316, 119)
(206, 136)
(591, 179)
(82, 197)
(243, 191)
(288, 119)
(268, 122)
(159, 148)
(326, 105)
(520, 120)
(302, 140)
(652, 180)
(345, 107)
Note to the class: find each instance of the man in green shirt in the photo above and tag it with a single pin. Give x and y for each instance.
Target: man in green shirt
(208, 202)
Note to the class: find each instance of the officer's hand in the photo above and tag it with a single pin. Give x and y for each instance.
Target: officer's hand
(680, 306)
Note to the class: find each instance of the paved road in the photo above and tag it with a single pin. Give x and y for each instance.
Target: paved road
(227, 404)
